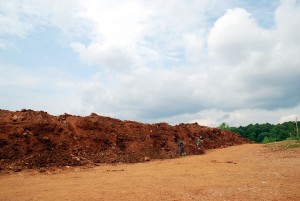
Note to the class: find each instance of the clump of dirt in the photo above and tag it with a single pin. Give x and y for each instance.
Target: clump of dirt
(36, 139)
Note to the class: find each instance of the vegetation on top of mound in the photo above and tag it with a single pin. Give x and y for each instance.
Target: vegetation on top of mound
(265, 133)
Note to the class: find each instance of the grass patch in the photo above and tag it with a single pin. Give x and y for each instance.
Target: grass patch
(283, 145)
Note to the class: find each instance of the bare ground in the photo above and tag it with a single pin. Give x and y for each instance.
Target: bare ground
(243, 172)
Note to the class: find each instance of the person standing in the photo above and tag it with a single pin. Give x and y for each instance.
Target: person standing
(180, 145)
(198, 143)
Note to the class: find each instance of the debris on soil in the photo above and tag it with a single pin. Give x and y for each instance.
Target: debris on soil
(37, 140)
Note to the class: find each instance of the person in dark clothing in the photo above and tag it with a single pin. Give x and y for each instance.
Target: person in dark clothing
(180, 145)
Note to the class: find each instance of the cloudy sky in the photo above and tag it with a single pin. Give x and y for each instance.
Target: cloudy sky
(205, 61)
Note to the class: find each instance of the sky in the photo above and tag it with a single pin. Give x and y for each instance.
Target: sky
(174, 61)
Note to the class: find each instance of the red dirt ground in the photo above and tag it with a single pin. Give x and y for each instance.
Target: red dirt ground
(237, 173)
(35, 139)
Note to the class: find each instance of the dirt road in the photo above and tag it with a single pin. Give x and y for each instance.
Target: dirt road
(244, 172)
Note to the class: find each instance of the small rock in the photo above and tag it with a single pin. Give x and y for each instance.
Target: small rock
(17, 169)
(146, 158)
(42, 170)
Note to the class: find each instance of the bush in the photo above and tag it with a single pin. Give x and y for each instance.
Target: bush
(293, 138)
(268, 140)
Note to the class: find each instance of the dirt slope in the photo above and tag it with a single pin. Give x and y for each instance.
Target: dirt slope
(244, 172)
(35, 139)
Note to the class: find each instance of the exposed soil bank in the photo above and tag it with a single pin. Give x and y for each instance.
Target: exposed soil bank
(36, 139)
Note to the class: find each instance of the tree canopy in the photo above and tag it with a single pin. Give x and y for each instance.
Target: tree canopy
(264, 133)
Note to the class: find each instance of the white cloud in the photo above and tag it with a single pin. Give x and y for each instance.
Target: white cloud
(167, 60)
(117, 27)
(263, 64)
(151, 33)
(111, 57)
(11, 22)
(11, 19)
(213, 117)
(194, 45)
(241, 76)
(236, 36)
(18, 19)
(50, 90)
(290, 117)
(287, 21)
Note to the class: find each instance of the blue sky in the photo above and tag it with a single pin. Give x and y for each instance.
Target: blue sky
(204, 61)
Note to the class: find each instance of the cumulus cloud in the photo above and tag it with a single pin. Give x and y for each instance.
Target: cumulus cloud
(116, 28)
(19, 19)
(145, 93)
(259, 60)
(237, 65)
(112, 57)
(172, 60)
(287, 20)
(236, 36)
(152, 33)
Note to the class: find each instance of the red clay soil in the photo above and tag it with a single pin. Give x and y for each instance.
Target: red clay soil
(31, 139)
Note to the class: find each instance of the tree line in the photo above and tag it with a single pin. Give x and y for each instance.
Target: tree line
(265, 133)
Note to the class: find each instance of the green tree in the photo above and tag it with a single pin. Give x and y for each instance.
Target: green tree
(264, 132)
(262, 136)
(224, 126)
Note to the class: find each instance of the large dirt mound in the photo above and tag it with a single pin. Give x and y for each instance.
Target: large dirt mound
(31, 139)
